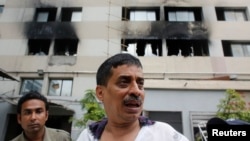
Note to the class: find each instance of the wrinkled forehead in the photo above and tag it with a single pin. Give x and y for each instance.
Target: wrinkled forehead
(127, 70)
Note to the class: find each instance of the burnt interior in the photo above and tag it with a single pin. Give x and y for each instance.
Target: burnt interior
(65, 47)
(39, 46)
(156, 45)
(187, 47)
(41, 34)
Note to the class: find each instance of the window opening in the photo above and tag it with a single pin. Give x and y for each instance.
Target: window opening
(71, 14)
(141, 13)
(1, 8)
(45, 14)
(39, 46)
(31, 84)
(60, 87)
(66, 47)
(186, 48)
(236, 49)
(42, 17)
(142, 16)
(142, 47)
(183, 14)
(231, 14)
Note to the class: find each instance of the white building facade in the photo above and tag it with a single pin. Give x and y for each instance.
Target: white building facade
(192, 52)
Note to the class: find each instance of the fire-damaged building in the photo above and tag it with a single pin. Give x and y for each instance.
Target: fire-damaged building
(192, 51)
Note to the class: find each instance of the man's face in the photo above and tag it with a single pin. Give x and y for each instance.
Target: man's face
(124, 94)
(33, 116)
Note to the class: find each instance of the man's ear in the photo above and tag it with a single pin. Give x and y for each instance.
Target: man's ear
(99, 92)
(19, 118)
(47, 115)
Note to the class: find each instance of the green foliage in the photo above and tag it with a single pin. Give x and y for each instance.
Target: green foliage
(233, 106)
(93, 110)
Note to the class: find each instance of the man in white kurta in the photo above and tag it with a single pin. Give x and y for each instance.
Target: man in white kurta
(120, 87)
(150, 131)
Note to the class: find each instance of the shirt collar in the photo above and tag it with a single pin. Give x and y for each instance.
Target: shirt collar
(98, 127)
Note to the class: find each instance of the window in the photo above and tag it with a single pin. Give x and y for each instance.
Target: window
(185, 48)
(142, 16)
(66, 47)
(236, 49)
(45, 14)
(39, 46)
(142, 47)
(173, 118)
(60, 87)
(141, 13)
(31, 84)
(183, 14)
(231, 14)
(198, 119)
(70, 14)
(1, 8)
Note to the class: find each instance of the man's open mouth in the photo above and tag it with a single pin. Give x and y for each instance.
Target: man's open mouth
(132, 103)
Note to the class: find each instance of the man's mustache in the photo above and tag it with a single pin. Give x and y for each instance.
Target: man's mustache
(133, 98)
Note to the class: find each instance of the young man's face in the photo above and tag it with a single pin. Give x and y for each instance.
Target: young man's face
(33, 116)
(126, 83)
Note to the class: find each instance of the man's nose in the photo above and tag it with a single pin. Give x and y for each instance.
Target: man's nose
(33, 115)
(134, 89)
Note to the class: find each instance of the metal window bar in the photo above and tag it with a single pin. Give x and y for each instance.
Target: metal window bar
(203, 130)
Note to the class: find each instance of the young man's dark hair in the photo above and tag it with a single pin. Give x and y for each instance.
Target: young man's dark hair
(32, 95)
(105, 70)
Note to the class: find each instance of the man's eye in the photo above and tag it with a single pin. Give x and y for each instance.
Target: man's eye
(26, 112)
(140, 84)
(39, 111)
(123, 83)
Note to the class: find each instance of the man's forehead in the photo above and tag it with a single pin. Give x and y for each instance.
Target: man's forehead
(126, 67)
(126, 71)
(33, 104)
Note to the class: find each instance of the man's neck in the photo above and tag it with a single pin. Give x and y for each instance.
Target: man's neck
(121, 132)
(38, 136)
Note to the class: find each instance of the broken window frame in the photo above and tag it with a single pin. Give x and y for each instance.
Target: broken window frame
(194, 14)
(127, 11)
(64, 87)
(236, 48)
(67, 14)
(39, 47)
(156, 49)
(185, 47)
(51, 12)
(31, 84)
(237, 14)
(66, 47)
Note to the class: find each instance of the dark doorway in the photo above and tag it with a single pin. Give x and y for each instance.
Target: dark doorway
(13, 128)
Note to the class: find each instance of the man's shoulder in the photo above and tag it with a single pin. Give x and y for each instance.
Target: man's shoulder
(18, 138)
(58, 133)
(165, 130)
